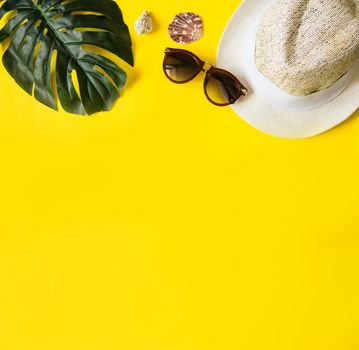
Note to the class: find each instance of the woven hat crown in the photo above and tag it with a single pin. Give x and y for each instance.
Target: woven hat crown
(304, 46)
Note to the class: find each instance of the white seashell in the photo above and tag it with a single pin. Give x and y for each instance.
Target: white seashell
(186, 27)
(144, 24)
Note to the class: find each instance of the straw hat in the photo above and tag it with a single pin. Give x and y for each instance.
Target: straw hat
(299, 59)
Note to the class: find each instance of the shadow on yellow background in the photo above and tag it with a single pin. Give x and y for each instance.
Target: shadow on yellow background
(169, 223)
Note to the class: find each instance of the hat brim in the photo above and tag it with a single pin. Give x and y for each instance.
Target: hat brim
(256, 110)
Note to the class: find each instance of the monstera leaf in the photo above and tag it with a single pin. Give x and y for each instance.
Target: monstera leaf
(41, 30)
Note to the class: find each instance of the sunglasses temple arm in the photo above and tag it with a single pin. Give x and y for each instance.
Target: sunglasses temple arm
(231, 97)
(244, 90)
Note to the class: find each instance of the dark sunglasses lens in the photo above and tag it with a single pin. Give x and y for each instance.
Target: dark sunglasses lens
(180, 67)
(221, 88)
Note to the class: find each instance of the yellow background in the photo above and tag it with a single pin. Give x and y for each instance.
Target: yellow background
(169, 223)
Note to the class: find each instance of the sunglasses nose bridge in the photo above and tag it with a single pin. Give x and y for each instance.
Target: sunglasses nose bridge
(207, 66)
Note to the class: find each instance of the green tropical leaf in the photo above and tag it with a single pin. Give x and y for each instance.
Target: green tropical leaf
(39, 30)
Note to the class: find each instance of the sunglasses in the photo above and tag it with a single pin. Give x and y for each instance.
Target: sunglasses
(221, 87)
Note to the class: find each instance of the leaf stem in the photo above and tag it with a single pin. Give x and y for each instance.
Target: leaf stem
(56, 33)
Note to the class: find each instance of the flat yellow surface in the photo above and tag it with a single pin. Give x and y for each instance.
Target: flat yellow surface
(169, 223)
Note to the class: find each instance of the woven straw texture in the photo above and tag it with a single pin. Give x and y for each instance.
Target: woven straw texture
(304, 46)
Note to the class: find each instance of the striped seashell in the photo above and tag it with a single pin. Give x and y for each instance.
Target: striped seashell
(186, 27)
